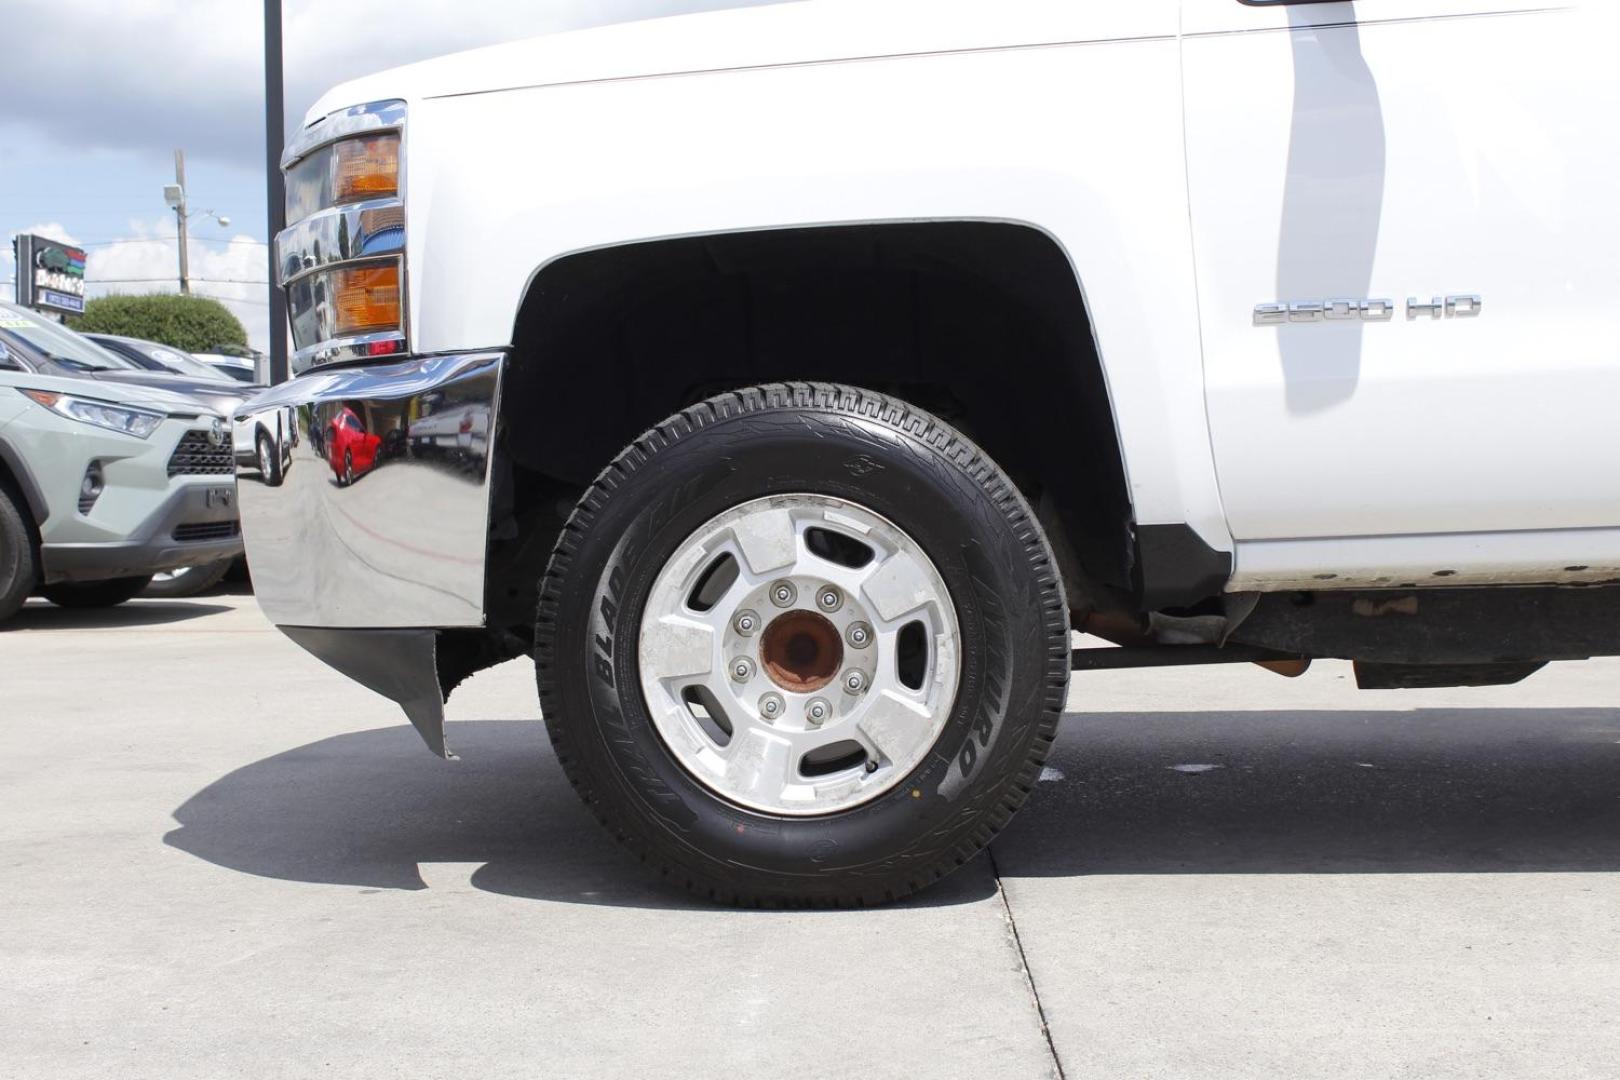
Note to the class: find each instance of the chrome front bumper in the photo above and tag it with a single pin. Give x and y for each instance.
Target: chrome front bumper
(380, 518)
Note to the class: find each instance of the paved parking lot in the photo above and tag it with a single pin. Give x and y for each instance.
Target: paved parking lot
(222, 859)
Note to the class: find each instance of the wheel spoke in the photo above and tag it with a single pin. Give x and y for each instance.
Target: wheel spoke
(891, 722)
(768, 540)
(759, 764)
(898, 586)
(677, 647)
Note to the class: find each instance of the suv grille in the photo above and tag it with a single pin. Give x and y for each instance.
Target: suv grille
(197, 455)
(207, 530)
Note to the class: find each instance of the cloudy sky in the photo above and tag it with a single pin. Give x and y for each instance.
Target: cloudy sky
(99, 93)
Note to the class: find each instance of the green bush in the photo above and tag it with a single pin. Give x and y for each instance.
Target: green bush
(192, 323)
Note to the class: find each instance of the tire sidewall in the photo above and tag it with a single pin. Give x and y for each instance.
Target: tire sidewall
(954, 517)
(18, 561)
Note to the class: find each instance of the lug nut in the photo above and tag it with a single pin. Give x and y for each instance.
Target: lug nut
(771, 706)
(817, 712)
(859, 635)
(745, 623)
(854, 682)
(871, 766)
(783, 594)
(742, 669)
(829, 598)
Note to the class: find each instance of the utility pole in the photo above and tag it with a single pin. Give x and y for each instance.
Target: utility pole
(180, 216)
(274, 185)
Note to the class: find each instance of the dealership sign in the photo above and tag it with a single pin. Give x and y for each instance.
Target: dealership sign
(50, 275)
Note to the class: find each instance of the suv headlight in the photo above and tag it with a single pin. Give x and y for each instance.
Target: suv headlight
(137, 422)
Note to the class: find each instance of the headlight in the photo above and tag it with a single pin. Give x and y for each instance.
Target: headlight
(366, 299)
(136, 422)
(347, 171)
(341, 257)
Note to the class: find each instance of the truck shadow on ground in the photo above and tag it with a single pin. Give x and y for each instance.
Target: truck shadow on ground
(367, 809)
(1421, 791)
(1442, 790)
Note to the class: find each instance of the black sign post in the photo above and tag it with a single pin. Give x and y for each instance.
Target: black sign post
(50, 275)
(274, 188)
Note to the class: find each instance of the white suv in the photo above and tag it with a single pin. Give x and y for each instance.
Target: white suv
(102, 485)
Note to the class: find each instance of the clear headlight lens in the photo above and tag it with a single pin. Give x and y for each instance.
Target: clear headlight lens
(137, 422)
(348, 171)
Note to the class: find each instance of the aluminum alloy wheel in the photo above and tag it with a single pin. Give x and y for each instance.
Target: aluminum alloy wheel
(799, 655)
(265, 461)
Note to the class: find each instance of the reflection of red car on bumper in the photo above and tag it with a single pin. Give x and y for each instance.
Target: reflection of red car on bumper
(351, 450)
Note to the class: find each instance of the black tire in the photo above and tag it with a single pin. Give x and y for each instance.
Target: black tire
(19, 556)
(901, 463)
(269, 458)
(348, 467)
(95, 594)
(194, 580)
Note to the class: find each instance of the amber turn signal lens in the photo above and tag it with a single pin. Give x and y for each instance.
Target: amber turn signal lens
(365, 168)
(366, 299)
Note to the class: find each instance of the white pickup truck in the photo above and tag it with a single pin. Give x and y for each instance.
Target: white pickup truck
(837, 361)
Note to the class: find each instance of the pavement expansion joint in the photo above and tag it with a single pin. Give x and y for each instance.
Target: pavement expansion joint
(1023, 965)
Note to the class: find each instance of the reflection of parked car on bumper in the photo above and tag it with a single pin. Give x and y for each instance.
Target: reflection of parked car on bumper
(351, 450)
(459, 430)
(412, 534)
(101, 486)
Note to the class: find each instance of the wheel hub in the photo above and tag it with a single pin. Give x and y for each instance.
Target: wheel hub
(801, 651)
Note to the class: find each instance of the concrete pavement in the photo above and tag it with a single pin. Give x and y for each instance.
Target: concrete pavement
(223, 859)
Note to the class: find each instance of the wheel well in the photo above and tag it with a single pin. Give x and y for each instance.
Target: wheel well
(15, 479)
(982, 323)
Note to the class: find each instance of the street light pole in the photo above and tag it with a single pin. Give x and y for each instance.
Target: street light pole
(275, 189)
(180, 215)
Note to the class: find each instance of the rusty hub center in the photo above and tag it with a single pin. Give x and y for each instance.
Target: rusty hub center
(801, 651)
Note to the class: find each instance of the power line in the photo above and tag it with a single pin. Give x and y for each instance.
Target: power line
(172, 240)
(161, 280)
(207, 281)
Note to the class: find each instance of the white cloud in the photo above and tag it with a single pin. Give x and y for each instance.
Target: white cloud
(147, 261)
(233, 272)
(150, 75)
(189, 73)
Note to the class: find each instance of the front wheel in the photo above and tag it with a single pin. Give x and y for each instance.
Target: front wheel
(19, 558)
(802, 645)
(95, 594)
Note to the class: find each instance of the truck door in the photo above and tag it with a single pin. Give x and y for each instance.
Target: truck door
(1408, 257)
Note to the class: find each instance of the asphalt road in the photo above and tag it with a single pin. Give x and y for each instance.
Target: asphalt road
(220, 859)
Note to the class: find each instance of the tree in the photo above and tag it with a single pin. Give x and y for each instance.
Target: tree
(192, 323)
